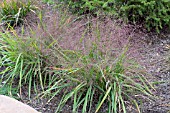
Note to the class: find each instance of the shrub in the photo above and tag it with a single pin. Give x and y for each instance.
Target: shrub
(13, 12)
(153, 13)
(89, 6)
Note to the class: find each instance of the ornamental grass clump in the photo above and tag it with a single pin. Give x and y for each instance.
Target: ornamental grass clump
(22, 61)
(86, 69)
(94, 79)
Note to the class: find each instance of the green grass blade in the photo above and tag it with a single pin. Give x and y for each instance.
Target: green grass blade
(21, 75)
(104, 98)
(88, 93)
(91, 99)
(121, 99)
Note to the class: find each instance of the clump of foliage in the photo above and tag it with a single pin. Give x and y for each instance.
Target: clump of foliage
(155, 14)
(97, 78)
(22, 60)
(89, 6)
(13, 12)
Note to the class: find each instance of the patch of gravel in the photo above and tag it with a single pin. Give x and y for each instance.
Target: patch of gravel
(156, 61)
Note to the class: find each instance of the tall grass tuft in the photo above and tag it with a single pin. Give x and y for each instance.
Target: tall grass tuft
(23, 61)
(86, 69)
(95, 78)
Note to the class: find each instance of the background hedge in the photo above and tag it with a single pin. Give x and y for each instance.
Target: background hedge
(155, 14)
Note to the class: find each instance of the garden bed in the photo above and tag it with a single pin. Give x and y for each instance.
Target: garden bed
(151, 51)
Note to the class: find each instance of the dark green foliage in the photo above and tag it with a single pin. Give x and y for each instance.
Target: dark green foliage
(4, 90)
(89, 6)
(155, 14)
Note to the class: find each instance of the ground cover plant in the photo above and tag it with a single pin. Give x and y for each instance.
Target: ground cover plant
(5, 90)
(155, 14)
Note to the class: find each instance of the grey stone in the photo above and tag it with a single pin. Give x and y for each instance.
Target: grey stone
(10, 105)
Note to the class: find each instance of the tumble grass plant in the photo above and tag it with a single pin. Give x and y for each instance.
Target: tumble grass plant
(22, 60)
(87, 71)
(97, 78)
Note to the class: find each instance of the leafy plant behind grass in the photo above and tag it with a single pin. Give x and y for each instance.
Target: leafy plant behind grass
(154, 14)
(22, 60)
(13, 12)
(90, 6)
